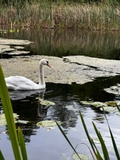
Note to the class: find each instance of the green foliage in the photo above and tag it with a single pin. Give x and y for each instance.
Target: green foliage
(103, 145)
(7, 108)
(1, 156)
(22, 144)
(95, 152)
(93, 146)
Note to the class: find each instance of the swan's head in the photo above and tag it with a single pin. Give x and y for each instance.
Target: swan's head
(45, 62)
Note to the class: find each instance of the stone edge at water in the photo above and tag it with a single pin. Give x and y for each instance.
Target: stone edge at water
(66, 70)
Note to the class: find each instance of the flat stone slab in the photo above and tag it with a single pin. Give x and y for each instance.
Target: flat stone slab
(102, 66)
(66, 70)
(114, 89)
(5, 46)
(4, 41)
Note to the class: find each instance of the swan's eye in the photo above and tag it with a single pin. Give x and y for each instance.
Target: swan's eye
(47, 63)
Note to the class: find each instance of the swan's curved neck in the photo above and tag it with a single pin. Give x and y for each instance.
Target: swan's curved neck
(41, 76)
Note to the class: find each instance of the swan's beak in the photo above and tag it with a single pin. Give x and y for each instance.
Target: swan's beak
(49, 65)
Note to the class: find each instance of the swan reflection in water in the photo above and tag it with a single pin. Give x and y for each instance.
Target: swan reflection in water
(26, 104)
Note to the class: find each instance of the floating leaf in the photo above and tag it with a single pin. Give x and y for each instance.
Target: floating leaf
(95, 104)
(109, 109)
(98, 104)
(86, 102)
(46, 103)
(3, 119)
(110, 106)
(15, 115)
(96, 140)
(82, 156)
(111, 103)
(22, 121)
(48, 124)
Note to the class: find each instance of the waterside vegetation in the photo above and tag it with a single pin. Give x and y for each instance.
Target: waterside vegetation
(16, 138)
(89, 15)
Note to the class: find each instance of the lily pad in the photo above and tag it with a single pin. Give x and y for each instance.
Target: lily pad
(22, 121)
(82, 156)
(47, 124)
(3, 119)
(111, 103)
(46, 103)
(96, 140)
(95, 104)
(109, 109)
(99, 104)
(110, 106)
(86, 102)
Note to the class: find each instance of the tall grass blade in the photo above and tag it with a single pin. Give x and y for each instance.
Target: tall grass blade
(118, 108)
(7, 107)
(94, 148)
(22, 144)
(104, 149)
(1, 156)
(114, 145)
(68, 140)
(112, 137)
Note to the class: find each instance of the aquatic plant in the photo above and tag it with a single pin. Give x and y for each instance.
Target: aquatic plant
(17, 142)
(96, 154)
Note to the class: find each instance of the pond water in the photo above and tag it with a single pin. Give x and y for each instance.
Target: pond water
(69, 42)
(51, 145)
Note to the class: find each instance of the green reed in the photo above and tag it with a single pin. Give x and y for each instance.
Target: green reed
(17, 142)
(95, 153)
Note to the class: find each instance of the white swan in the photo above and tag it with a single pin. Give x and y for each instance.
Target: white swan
(22, 83)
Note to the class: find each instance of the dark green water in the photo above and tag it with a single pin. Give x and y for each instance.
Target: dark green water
(52, 145)
(68, 42)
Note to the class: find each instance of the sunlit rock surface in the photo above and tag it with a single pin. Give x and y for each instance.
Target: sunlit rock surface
(114, 89)
(13, 46)
(4, 41)
(66, 70)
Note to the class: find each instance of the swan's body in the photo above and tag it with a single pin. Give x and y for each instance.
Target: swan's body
(22, 83)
